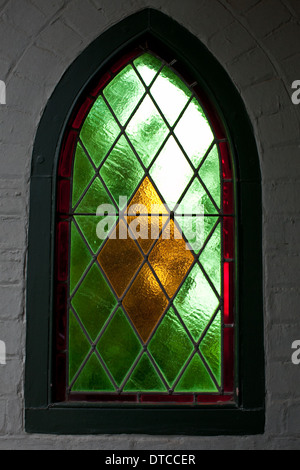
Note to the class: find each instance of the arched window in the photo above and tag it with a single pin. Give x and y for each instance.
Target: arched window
(146, 213)
(150, 304)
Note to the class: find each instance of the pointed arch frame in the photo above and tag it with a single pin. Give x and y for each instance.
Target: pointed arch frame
(42, 414)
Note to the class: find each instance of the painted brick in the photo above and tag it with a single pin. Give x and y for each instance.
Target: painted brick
(60, 39)
(267, 97)
(84, 18)
(231, 42)
(252, 39)
(241, 6)
(282, 270)
(11, 302)
(12, 233)
(267, 16)
(288, 36)
(11, 376)
(282, 197)
(283, 304)
(277, 162)
(293, 419)
(24, 17)
(253, 67)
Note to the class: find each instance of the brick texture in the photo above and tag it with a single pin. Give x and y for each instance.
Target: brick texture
(257, 42)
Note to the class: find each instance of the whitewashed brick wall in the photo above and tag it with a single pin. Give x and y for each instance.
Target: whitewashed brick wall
(258, 43)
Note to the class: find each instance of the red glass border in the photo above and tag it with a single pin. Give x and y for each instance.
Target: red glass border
(62, 250)
(228, 362)
(63, 196)
(226, 161)
(228, 237)
(228, 272)
(228, 205)
(155, 398)
(81, 114)
(67, 154)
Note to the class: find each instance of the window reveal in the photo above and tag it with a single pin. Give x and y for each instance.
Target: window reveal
(145, 320)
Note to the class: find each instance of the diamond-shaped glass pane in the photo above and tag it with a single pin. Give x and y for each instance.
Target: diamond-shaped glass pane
(171, 173)
(147, 131)
(210, 258)
(120, 258)
(196, 378)
(170, 346)
(211, 345)
(94, 302)
(145, 377)
(123, 93)
(93, 378)
(92, 198)
(88, 226)
(171, 94)
(171, 259)
(119, 347)
(210, 175)
(147, 66)
(196, 302)
(145, 303)
(196, 230)
(196, 201)
(80, 257)
(83, 173)
(194, 132)
(79, 347)
(122, 171)
(99, 131)
(146, 228)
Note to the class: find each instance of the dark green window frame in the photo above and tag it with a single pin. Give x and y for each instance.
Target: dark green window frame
(42, 415)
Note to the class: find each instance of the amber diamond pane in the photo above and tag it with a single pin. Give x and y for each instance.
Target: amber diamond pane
(145, 303)
(120, 258)
(147, 228)
(171, 258)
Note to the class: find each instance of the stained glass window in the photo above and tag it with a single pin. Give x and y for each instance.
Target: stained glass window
(145, 242)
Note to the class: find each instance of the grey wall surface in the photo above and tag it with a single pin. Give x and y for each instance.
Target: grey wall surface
(258, 43)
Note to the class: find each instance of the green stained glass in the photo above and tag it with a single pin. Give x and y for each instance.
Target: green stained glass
(79, 347)
(196, 302)
(119, 346)
(122, 172)
(147, 66)
(94, 302)
(95, 196)
(88, 226)
(148, 344)
(196, 378)
(171, 94)
(99, 131)
(170, 346)
(196, 230)
(83, 172)
(147, 131)
(145, 377)
(80, 258)
(194, 132)
(196, 201)
(211, 258)
(93, 378)
(123, 93)
(171, 173)
(210, 175)
(210, 347)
